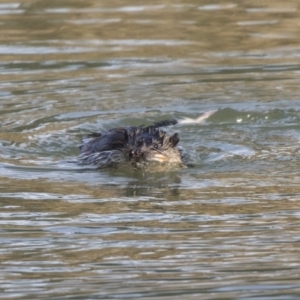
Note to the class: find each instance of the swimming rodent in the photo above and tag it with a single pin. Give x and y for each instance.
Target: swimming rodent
(138, 145)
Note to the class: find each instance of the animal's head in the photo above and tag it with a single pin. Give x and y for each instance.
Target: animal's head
(153, 144)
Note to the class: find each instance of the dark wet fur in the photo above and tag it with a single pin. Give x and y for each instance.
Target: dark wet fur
(135, 144)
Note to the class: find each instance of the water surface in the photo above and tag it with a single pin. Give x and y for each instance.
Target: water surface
(226, 227)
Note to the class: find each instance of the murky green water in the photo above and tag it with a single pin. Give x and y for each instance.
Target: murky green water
(225, 228)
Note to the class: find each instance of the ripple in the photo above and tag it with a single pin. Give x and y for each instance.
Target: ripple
(40, 50)
(271, 10)
(126, 9)
(217, 7)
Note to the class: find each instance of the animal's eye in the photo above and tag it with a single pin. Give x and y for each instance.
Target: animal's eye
(155, 146)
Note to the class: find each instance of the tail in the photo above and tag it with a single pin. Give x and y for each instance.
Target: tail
(198, 120)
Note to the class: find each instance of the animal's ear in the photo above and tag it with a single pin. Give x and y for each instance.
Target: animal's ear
(174, 139)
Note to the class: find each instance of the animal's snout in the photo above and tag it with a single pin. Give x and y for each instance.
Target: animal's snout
(135, 153)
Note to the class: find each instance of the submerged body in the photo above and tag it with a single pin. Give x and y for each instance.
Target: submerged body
(138, 145)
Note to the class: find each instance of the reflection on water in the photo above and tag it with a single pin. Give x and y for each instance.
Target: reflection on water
(224, 227)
